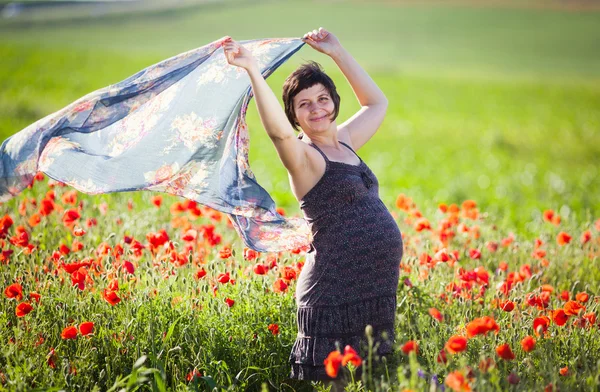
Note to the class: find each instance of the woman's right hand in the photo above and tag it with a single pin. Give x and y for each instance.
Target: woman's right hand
(237, 55)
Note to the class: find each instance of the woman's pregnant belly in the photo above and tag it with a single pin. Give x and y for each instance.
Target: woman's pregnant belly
(355, 255)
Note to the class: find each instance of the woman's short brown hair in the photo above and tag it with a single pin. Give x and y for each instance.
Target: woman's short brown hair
(306, 76)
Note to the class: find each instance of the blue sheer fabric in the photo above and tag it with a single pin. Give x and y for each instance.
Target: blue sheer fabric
(176, 127)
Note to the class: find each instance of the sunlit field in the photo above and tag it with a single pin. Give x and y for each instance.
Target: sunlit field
(488, 159)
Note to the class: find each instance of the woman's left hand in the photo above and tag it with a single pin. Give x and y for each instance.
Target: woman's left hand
(322, 41)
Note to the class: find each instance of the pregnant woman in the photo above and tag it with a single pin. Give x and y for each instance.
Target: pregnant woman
(350, 276)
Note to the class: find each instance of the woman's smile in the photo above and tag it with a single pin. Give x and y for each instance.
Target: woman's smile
(319, 118)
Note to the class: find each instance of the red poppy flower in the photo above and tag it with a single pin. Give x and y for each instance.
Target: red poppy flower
(559, 317)
(279, 286)
(540, 325)
(481, 326)
(225, 253)
(507, 306)
(229, 302)
(528, 343)
(457, 382)
(157, 200)
(586, 236)
(351, 356)
(78, 232)
(260, 269)
(193, 374)
(86, 328)
(436, 314)
(189, 235)
(15, 290)
(250, 254)
(456, 344)
(223, 278)
(475, 254)
(69, 333)
(201, 273)
(441, 357)
(564, 371)
(332, 363)
(505, 352)
(274, 328)
(573, 308)
(23, 309)
(582, 297)
(410, 346)
(51, 359)
(35, 296)
(70, 217)
(129, 267)
(111, 297)
(563, 238)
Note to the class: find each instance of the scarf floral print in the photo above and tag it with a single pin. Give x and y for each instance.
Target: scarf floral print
(177, 127)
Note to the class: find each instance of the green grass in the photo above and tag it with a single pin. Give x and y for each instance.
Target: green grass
(496, 105)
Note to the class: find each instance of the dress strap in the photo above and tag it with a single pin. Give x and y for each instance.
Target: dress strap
(322, 153)
(350, 148)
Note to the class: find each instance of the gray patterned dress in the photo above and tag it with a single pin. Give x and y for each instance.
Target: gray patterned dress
(350, 276)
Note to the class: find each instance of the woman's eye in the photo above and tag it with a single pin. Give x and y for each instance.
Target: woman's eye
(325, 98)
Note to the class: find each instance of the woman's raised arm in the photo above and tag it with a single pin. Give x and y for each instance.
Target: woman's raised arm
(367, 120)
(291, 151)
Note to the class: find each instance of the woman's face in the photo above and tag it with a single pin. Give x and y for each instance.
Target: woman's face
(314, 108)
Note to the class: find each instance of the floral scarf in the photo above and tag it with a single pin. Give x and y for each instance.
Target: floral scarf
(176, 127)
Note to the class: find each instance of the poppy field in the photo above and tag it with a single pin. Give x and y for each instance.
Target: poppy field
(487, 159)
(132, 290)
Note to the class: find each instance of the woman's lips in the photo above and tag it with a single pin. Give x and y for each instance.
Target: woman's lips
(319, 118)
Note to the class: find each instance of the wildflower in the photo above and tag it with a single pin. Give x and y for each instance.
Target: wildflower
(250, 254)
(573, 308)
(129, 267)
(260, 269)
(70, 217)
(582, 297)
(51, 359)
(23, 309)
(332, 363)
(457, 382)
(274, 328)
(433, 312)
(513, 378)
(441, 357)
(351, 356)
(507, 306)
(190, 235)
(111, 297)
(225, 253)
(279, 286)
(505, 352)
(192, 375)
(456, 344)
(15, 290)
(156, 200)
(563, 238)
(78, 232)
(559, 317)
(229, 302)
(223, 278)
(481, 326)
(528, 343)
(35, 296)
(410, 346)
(86, 328)
(564, 371)
(540, 325)
(69, 333)
(201, 273)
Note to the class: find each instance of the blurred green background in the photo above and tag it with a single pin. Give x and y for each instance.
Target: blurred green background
(499, 103)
